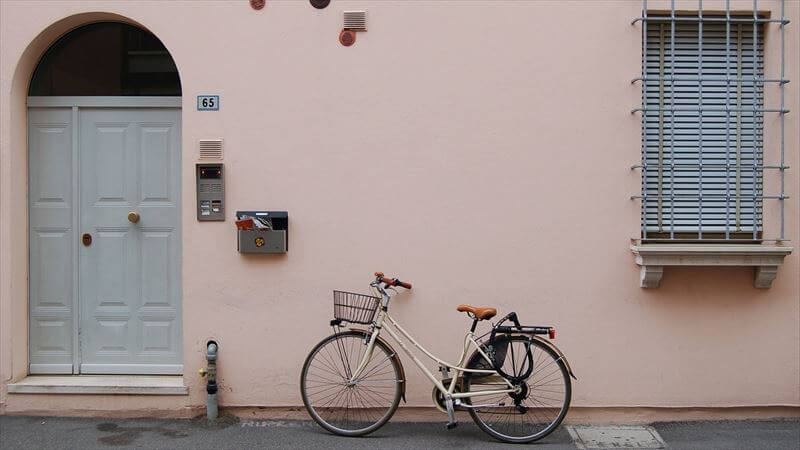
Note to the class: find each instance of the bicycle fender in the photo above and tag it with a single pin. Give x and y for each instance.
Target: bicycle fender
(558, 352)
(396, 357)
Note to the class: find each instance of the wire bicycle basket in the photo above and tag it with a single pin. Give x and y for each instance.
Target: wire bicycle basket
(354, 308)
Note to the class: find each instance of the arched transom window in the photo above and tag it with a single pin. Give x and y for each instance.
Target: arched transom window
(106, 59)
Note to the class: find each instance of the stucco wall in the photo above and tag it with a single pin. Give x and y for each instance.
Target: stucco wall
(480, 149)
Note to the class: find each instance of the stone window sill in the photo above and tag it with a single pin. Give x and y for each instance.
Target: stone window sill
(652, 258)
(100, 384)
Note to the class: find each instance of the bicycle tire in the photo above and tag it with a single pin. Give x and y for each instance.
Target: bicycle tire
(501, 428)
(325, 401)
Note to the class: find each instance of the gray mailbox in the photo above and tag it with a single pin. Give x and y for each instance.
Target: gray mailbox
(210, 192)
(274, 239)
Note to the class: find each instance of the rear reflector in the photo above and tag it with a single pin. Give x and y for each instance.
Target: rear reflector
(552, 333)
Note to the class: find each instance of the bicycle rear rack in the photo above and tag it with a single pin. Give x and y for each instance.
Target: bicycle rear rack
(523, 330)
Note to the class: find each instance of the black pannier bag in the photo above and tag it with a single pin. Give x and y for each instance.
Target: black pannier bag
(496, 351)
(496, 348)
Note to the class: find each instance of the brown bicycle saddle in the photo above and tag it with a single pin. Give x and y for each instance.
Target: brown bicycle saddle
(480, 312)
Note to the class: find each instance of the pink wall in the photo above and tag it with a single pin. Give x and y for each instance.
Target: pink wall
(480, 149)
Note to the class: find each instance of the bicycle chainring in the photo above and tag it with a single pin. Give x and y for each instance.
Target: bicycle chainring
(438, 397)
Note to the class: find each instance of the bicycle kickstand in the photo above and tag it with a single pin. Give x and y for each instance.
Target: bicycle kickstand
(451, 415)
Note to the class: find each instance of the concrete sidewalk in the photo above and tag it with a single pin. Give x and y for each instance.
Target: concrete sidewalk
(42, 433)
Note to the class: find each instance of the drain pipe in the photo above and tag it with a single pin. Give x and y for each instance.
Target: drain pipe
(211, 381)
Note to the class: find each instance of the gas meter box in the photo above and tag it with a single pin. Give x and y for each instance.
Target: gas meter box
(210, 192)
(265, 232)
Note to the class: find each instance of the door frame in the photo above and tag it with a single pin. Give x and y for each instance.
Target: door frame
(76, 102)
(105, 102)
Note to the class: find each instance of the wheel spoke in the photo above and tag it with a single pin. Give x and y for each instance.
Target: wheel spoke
(342, 407)
(543, 398)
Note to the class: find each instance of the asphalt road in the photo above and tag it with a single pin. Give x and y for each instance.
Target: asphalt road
(43, 433)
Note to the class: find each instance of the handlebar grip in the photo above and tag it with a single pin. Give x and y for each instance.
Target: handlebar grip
(392, 281)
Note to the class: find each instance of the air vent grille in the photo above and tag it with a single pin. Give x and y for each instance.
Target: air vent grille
(210, 148)
(355, 20)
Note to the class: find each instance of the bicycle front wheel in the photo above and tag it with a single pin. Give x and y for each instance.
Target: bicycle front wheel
(539, 405)
(350, 408)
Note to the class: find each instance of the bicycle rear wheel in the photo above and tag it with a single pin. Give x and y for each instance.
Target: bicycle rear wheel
(342, 407)
(539, 406)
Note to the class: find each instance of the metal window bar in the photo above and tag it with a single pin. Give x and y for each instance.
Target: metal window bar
(714, 109)
(644, 118)
(738, 127)
(728, 117)
(671, 122)
(782, 89)
(700, 113)
(660, 166)
(756, 220)
(644, 19)
(743, 79)
(747, 187)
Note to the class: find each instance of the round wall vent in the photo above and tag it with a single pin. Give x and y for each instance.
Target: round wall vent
(320, 4)
(347, 38)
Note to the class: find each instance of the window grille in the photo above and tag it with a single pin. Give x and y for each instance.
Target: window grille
(702, 110)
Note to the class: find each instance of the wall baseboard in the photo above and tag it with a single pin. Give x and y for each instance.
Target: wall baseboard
(577, 415)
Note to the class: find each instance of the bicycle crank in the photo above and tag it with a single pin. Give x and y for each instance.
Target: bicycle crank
(451, 414)
(438, 397)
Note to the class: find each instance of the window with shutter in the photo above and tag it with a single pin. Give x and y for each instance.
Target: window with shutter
(702, 126)
(703, 161)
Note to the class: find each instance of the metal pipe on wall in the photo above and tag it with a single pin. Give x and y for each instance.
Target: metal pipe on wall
(210, 372)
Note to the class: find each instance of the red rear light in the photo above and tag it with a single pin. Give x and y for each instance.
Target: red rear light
(552, 333)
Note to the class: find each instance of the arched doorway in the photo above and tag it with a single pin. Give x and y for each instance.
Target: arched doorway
(104, 125)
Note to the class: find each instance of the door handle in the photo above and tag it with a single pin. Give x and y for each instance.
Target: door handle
(133, 217)
(86, 239)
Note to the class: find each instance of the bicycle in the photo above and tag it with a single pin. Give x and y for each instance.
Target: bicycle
(352, 381)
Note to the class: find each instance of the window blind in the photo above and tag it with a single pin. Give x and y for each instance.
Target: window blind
(703, 165)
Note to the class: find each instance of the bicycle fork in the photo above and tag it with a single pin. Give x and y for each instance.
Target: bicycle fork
(366, 359)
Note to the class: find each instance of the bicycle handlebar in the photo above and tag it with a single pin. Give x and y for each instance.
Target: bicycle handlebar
(391, 281)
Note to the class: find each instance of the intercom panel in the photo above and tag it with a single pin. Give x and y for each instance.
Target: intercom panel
(210, 192)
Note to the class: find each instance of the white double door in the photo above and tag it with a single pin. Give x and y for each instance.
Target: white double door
(104, 218)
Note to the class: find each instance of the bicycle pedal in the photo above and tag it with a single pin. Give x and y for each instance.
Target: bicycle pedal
(451, 425)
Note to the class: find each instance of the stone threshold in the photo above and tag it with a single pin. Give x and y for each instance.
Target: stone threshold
(765, 259)
(100, 384)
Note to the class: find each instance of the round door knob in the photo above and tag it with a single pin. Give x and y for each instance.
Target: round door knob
(133, 217)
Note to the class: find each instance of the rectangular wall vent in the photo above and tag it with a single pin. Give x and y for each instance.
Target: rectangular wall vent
(355, 20)
(210, 148)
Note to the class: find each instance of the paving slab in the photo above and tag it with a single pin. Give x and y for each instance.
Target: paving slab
(615, 436)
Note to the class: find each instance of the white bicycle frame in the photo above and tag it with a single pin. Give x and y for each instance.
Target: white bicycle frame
(383, 319)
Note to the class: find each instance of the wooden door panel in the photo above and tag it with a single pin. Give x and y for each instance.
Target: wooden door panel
(129, 276)
(51, 240)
